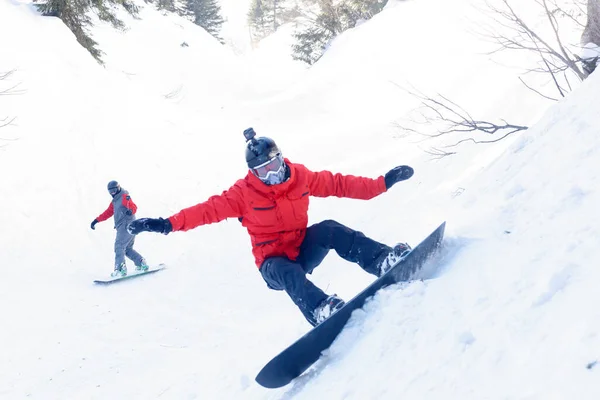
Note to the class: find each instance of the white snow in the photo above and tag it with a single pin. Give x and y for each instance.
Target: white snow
(507, 311)
(590, 50)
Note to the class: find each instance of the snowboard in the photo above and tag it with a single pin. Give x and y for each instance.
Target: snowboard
(130, 275)
(298, 357)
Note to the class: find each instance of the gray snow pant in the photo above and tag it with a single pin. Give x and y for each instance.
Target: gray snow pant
(124, 247)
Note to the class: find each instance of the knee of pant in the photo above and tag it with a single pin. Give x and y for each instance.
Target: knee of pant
(268, 274)
(275, 267)
(328, 229)
(277, 271)
(330, 224)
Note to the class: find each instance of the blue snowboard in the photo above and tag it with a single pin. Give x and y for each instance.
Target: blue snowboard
(298, 357)
(130, 275)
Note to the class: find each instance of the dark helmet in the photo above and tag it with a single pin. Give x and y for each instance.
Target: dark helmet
(113, 187)
(259, 150)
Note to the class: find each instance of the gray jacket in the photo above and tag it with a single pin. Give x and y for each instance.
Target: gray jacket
(118, 207)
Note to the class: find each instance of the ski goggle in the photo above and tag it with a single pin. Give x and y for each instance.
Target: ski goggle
(113, 190)
(272, 167)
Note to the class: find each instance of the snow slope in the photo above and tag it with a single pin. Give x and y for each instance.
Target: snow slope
(508, 312)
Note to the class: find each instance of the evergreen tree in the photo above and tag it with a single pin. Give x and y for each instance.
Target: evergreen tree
(334, 18)
(265, 16)
(256, 18)
(207, 14)
(72, 13)
(276, 12)
(366, 9)
(168, 5)
(311, 44)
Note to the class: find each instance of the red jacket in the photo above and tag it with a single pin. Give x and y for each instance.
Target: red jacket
(276, 216)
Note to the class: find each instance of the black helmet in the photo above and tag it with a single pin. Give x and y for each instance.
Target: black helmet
(259, 150)
(113, 187)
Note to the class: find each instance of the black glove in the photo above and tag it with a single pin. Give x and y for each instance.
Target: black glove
(398, 174)
(129, 212)
(159, 225)
(94, 222)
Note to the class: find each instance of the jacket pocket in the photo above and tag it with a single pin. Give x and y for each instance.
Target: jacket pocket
(264, 215)
(265, 242)
(263, 208)
(299, 203)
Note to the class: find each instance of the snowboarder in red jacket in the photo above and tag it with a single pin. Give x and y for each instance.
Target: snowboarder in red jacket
(123, 209)
(272, 204)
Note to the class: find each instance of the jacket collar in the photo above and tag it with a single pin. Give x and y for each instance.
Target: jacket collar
(121, 193)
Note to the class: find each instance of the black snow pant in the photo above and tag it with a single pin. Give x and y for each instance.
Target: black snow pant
(281, 273)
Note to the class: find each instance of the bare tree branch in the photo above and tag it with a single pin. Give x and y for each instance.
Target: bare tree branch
(4, 122)
(8, 122)
(11, 90)
(445, 117)
(438, 154)
(537, 91)
(577, 20)
(568, 59)
(513, 130)
(551, 72)
(173, 93)
(509, 31)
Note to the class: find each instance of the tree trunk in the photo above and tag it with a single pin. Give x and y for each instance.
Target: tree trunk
(274, 15)
(591, 33)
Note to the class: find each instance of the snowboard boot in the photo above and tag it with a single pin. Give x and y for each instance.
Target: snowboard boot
(120, 270)
(327, 308)
(387, 261)
(143, 267)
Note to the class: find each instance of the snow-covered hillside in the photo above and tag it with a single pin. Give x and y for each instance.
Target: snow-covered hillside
(507, 313)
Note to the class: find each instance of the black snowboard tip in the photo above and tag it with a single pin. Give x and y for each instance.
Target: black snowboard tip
(271, 381)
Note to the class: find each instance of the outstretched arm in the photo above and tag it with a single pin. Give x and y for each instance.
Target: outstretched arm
(215, 209)
(325, 183)
(104, 216)
(229, 204)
